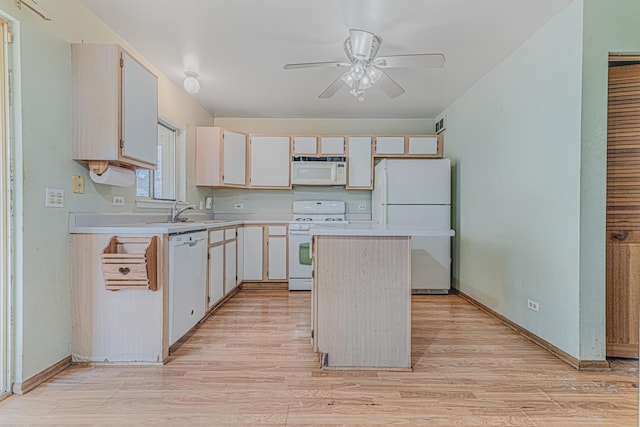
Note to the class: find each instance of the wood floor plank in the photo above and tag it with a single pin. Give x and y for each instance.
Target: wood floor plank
(252, 363)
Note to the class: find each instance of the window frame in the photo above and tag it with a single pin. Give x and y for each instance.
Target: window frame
(180, 170)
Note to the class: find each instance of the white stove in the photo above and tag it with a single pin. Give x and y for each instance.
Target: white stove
(307, 214)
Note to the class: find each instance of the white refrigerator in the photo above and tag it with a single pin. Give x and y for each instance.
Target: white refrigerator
(418, 192)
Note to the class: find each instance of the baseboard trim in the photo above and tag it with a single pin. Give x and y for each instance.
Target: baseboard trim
(581, 365)
(41, 377)
(265, 285)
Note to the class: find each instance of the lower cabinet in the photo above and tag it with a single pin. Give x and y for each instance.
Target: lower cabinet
(265, 253)
(230, 266)
(277, 253)
(253, 253)
(222, 272)
(216, 274)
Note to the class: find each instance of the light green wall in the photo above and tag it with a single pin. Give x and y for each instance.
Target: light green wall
(609, 26)
(42, 149)
(515, 140)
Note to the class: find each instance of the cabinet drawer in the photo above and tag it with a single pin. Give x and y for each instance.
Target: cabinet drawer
(277, 230)
(229, 233)
(216, 236)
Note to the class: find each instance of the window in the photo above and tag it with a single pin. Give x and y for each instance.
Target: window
(160, 184)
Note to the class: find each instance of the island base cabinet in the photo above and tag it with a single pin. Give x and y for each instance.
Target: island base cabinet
(362, 301)
(125, 326)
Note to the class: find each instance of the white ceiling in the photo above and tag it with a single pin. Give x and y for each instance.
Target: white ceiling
(238, 48)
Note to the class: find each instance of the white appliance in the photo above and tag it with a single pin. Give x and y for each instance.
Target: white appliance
(306, 214)
(187, 282)
(418, 192)
(319, 171)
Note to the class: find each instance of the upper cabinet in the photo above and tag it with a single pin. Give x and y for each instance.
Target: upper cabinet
(332, 146)
(221, 157)
(420, 146)
(115, 107)
(232, 159)
(359, 163)
(305, 145)
(319, 146)
(270, 162)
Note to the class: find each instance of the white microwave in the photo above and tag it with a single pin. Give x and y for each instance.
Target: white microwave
(319, 171)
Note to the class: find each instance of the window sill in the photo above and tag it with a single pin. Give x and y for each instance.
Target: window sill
(157, 204)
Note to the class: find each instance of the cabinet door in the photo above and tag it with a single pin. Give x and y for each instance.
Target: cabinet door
(305, 145)
(423, 145)
(234, 153)
(229, 266)
(139, 112)
(216, 274)
(277, 258)
(270, 161)
(332, 145)
(360, 162)
(208, 163)
(390, 145)
(240, 256)
(253, 253)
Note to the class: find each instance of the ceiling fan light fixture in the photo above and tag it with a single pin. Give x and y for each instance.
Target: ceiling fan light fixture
(365, 82)
(373, 73)
(348, 78)
(191, 83)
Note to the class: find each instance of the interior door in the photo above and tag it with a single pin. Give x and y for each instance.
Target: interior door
(623, 212)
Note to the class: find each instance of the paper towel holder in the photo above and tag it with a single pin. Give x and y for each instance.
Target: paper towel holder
(99, 167)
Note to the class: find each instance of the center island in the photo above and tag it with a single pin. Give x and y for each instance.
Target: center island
(361, 297)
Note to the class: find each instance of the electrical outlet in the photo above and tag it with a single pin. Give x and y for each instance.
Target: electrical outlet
(54, 198)
(238, 206)
(533, 305)
(362, 207)
(118, 201)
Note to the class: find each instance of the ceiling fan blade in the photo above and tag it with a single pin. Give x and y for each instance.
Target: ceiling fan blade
(332, 89)
(404, 61)
(315, 64)
(389, 86)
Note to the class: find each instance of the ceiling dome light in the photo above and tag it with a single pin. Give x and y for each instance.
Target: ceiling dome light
(191, 83)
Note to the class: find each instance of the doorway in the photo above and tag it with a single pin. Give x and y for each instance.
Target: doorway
(5, 235)
(623, 208)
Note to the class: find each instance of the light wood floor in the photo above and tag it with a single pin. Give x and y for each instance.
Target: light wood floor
(252, 364)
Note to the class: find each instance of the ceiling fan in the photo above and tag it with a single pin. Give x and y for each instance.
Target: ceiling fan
(366, 69)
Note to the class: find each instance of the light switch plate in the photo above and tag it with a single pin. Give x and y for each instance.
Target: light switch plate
(54, 198)
(78, 184)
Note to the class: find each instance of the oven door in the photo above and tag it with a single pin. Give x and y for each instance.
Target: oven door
(299, 260)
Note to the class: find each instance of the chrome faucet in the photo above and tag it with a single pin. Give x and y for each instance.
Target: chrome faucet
(175, 212)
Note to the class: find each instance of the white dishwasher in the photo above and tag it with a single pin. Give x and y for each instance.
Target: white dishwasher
(187, 282)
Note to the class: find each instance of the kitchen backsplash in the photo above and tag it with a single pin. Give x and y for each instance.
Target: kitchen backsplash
(229, 201)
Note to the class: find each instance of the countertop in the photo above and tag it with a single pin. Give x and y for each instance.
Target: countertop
(150, 224)
(369, 229)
